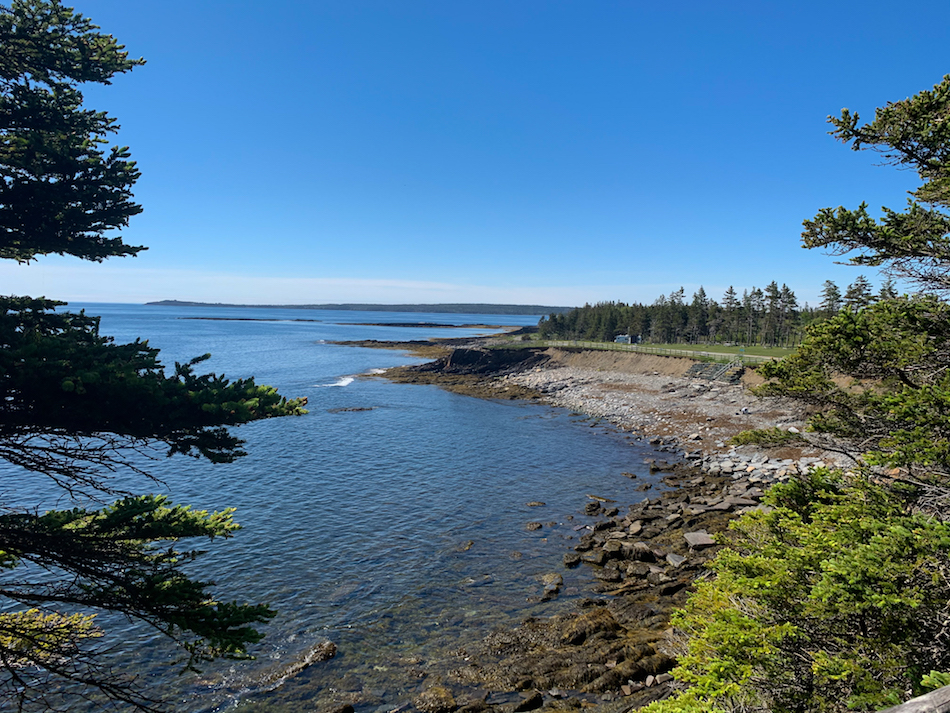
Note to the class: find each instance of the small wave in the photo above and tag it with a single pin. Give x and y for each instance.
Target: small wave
(342, 381)
(376, 371)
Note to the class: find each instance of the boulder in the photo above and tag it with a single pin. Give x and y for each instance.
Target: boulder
(578, 629)
(675, 560)
(699, 539)
(595, 556)
(533, 700)
(436, 699)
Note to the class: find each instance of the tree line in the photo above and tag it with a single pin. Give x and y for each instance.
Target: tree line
(770, 317)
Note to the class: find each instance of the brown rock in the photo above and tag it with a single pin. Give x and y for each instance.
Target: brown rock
(533, 701)
(437, 699)
(595, 556)
(598, 619)
(699, 539)
(640, 551)
(344, 708)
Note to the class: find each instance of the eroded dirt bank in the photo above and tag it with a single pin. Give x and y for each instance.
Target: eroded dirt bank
(650, 395)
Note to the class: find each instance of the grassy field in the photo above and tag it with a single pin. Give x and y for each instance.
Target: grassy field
(773, 352)
(702, 352)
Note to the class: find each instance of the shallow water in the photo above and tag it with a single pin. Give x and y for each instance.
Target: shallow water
(357, 524)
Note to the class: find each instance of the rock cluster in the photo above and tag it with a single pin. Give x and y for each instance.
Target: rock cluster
(615, 651)
(757, 467)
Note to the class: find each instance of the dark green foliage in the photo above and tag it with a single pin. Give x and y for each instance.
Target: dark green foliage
(858, 294)
(897, 410)
(76, 407)
(772, 319)
(62, 383)
(121, 559)
(888, 290)
(830, 299)
(113, 566)
(914, 244)
(53, 163)
(896, 349)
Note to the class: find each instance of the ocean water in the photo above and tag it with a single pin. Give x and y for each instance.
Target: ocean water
(397, 531)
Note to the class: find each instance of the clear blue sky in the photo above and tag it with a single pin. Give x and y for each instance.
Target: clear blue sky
(483, 151)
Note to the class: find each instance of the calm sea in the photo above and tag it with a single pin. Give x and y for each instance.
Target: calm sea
(396, 531)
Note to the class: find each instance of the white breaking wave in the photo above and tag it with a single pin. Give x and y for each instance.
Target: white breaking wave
(342, 381)
(376, 371)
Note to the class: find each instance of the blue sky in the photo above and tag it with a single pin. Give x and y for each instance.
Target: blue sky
(461, 151)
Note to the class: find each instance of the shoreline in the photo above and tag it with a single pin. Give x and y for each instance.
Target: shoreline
(615, 651)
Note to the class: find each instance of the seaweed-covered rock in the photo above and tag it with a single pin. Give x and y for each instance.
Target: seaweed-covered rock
(435, 699)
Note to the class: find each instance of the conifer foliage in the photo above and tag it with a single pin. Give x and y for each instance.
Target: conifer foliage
(836, 599)
(770, 318)
(61, 190)
(76, 407)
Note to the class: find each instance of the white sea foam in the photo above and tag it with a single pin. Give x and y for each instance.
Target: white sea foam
(376, 371)
(342, 381)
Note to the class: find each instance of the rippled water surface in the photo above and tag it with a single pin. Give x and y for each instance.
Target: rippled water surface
(397, 531)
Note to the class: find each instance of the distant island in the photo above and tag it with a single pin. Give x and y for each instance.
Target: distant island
(438, 308)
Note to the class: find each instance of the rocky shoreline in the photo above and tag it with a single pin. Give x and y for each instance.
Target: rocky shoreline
(614, 653)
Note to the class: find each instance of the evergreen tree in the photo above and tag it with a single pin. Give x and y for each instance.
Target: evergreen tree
(910, 244)
(698, 318)
(830, 298)
(772, 314)
(668, 319)
(678, 315)
(730, 314)
(888, 290)
(75, 406)
(53, 165)
(788, 313)
(755, 309)
(661, 330)
(858, 294)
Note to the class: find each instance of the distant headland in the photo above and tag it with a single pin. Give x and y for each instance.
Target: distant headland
(475, 308)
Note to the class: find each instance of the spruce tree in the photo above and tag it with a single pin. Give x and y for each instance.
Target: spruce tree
(830, 298)
(858, 294)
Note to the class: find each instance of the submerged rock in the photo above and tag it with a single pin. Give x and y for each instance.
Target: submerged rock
(533, 700)
(571, 559)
